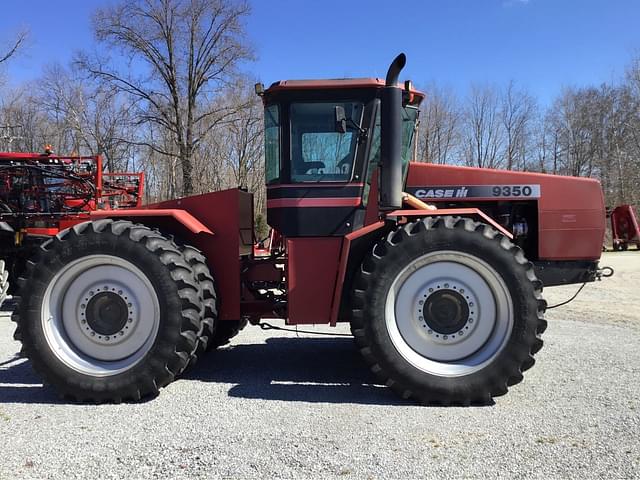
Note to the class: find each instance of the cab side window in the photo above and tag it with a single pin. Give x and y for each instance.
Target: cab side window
(318, 152)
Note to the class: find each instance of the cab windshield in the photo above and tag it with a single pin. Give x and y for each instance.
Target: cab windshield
(409, 125)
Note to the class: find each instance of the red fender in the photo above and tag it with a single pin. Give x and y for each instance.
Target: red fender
(182, 217)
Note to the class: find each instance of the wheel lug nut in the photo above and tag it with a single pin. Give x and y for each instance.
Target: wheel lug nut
(119, 292)
(107, 337)
(93, 334)
(83, 306)
(444, 337)
(130, 320)
(421, 302)
(446, 285)
(429, 332)
(471, 320)
(121, 333)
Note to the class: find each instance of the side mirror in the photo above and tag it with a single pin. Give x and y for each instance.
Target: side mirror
(341, 119)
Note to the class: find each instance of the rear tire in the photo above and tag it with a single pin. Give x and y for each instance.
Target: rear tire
(226, 330)
(112, 314)
(415, 301)
(207, 288)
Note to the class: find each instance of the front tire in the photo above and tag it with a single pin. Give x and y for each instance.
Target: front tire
(112, 314)
(448, 311)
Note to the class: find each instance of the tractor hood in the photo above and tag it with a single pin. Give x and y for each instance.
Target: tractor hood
(571, 212)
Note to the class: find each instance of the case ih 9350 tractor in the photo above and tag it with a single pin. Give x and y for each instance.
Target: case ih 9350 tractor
(438, 269)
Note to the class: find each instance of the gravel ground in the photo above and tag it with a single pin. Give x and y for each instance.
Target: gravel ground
(272, 405)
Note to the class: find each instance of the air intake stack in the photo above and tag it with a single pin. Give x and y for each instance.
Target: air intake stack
(391, 138)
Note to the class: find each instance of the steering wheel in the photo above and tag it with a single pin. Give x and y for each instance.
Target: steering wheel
(308, 166)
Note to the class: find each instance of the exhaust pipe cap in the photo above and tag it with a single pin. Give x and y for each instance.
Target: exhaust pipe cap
(394, 70)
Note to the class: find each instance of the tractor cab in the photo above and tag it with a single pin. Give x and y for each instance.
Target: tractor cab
(323, 147)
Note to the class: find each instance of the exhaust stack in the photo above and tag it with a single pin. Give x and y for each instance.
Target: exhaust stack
(391, 181)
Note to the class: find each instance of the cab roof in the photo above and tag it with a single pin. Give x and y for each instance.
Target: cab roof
(335, 83)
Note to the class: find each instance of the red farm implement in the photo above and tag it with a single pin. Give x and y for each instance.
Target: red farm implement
(624, 228)
(42, 194)
(438, 269)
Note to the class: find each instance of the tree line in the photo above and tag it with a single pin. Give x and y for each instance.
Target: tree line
(162, 90)
(589, 131)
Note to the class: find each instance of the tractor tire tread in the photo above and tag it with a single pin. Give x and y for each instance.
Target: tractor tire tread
(226, 330)
(169, 355)
(516, 360)
(207, 289)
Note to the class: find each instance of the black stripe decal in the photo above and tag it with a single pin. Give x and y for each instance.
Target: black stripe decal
(314, 192)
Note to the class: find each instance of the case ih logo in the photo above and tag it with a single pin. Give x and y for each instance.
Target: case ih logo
(459, 192)
(476, 191)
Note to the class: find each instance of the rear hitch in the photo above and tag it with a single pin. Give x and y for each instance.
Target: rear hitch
(604, 272)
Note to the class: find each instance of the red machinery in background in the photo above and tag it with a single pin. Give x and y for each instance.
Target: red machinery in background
(624, 228)
(42, 194)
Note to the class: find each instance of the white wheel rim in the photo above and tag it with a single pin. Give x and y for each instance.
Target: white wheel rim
(479, 336)
(79, 343)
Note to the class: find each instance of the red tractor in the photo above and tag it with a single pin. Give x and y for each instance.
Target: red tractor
(438, 269)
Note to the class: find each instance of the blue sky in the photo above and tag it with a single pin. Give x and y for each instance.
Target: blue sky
(541, 44)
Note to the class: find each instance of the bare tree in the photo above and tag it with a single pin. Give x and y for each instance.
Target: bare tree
(243, 141)
(175, 57)
(15, 46)
(483, 130)
(633, 76)
(238, 145)
(568, 116)
(97, 116)
(517, 111)
(547, 145)
(439, 127)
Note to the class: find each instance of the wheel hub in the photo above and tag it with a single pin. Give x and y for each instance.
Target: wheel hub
(106, 313)
(446, 311)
